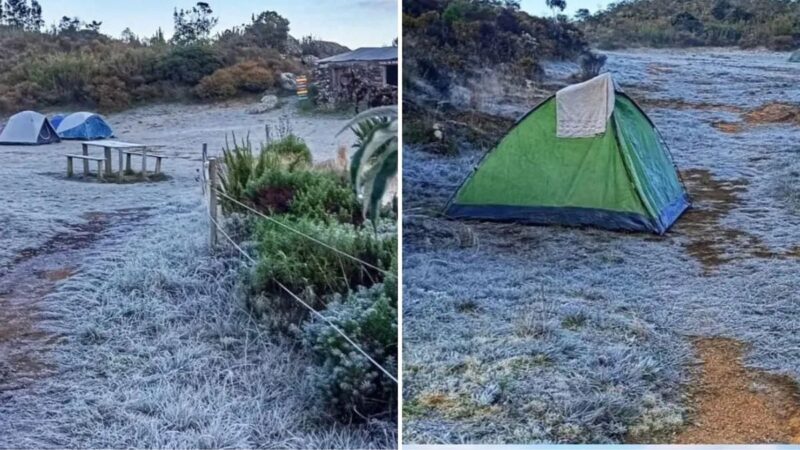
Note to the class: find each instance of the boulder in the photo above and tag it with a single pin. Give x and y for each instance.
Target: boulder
(267, 103)
(288, 81)
(309, 60)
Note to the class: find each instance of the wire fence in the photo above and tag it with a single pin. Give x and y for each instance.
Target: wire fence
(210, 191)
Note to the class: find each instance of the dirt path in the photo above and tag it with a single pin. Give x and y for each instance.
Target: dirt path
(735, 405)
(32, 275)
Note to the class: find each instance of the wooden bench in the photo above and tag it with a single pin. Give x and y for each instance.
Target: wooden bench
(129, 153)
(124, 149)
(86, 160)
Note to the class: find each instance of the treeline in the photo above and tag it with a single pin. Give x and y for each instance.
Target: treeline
(72, 62)
(445, 38)
(774, 24)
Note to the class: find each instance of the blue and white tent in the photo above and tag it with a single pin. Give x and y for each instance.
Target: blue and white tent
(84, 125)
(28, 127)
(56, 120)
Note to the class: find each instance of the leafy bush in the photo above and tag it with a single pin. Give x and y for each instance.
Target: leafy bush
(348, 385)
(189, 64)
(241, 165)
(291, 150)
(311, 270)
(247, 76)
(318, 195)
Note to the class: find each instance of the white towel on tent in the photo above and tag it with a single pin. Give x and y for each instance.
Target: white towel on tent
(583, 109)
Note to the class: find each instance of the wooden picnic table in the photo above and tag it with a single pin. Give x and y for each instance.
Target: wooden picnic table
(123, 149)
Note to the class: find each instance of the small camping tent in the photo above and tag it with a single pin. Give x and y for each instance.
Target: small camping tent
(586, 156)
(84, 125)
(795, 57)
(55, 121)
(28, 127)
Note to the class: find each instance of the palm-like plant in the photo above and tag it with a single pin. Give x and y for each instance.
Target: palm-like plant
(374, 163)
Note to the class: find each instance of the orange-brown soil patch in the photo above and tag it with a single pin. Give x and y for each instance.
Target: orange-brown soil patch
(710, 242)
(774, 113)
(727, 127)
(734, 405)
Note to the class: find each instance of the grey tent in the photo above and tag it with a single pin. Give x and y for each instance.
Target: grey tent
(28, 127)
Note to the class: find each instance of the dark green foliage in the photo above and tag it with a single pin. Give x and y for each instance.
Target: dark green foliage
(348, 385)
(268, 29)
(680, 23)
(292, 150)
(317, 195)
(304, 265)
(188, 64)
(243, 166)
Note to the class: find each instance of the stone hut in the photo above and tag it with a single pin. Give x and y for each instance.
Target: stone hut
(365, 77)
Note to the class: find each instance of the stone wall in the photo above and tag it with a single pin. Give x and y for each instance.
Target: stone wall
(361, 85)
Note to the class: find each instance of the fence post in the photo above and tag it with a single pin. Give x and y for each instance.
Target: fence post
(212, 201)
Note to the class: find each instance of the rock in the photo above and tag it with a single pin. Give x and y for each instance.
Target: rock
(267, 103)
(309, 60)
(288, 81)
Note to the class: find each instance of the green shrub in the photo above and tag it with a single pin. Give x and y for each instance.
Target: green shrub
(322, 196)
(241, 165)
(309, 269)
(291, 150)
(189, 64)
(348, 385)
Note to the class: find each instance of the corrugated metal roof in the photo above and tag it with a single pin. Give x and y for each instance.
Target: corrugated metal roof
(363, 54)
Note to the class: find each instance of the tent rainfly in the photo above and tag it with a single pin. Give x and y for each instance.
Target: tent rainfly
(587, 156)
(28, 127)
(84, 125)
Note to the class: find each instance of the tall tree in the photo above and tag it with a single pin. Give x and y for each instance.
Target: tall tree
(35, 21)
(268, 29)
(557, 4)
(16, 13)
(194, 25)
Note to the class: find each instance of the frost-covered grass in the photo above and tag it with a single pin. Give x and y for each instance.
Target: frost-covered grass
(155, 350)
(523, 334)
(162, 354)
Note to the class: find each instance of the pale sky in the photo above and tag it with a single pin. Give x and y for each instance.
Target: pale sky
(539, 7)
(354, 23)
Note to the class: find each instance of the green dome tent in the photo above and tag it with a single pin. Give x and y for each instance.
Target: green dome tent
(586, 156)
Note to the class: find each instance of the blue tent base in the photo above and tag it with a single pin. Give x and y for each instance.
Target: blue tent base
(571, 216)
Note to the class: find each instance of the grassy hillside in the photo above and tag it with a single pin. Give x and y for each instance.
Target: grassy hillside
(774, 24)
(73, 63)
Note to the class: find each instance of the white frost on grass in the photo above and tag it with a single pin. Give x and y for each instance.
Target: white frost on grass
(38, 200)
(155, 350)
(162, 354)
(526, 334)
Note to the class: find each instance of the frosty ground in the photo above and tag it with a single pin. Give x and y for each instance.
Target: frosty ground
(523, 334)
(121, 329)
